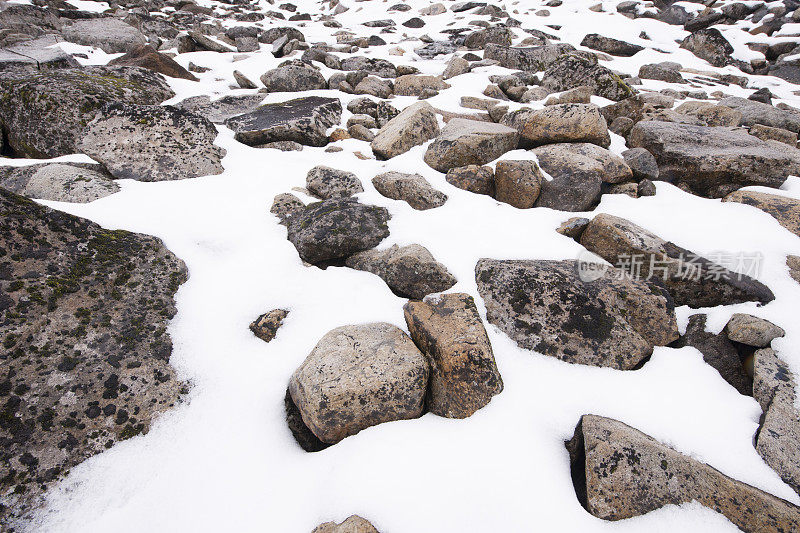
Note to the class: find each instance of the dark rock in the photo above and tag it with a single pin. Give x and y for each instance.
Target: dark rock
(146, 56)
(326, 182)
(472, 178)
(710, 45)
(573, 70)
(266, 326)
(610, 46)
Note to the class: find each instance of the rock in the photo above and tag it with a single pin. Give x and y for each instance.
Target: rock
(243, 81)
(271, 35)
(36, 54)
(146, 56)
(477, 40)
(110, 34)
(578, 171)
(374, 86)
(759, 113)
(410, 271)
(608, 320)
(152, 143)
(619, 472)
(710, 45)
(456, 67)
(70, 278)
(464, 375)
(415, 125)
(359, 376)
(326, 182)
(573, 227)
(285, 205)
(562, 123)
(642, 163)
(785, 209)
(518, 183)
(646, 188)
(410, 188)
(767, 133)
(266, 326)
(223, 108)
(577, 95)
(371, 65)
(59, 182)
(465, 142)
(303, 120)
(532, 59)
(654, 71)
(691, 280)
(337, 228)
(472, 178)
(778, 439)
(293, 76)
(206, 43)
(610, 46)
(621, 126)
(45, 114)
(714, 161)
(354, 524)
(719, 352)
(752, 331)
(415, 84)
(572, 70)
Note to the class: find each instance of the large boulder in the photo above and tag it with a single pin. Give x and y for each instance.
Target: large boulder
(610, 46)
(619, 472)
(303, 120)
(36, 54)
(146, 56)
(531, 59)
(573, 70)
(415, 125)
(337, 228)
(359, 376)
(709, 44)
(293, 76)
(449, 331)
(59, 182)
(371, 65)
(714, 161)
(152, 143)
(416, 84)
(577, 312)
(110, 34)
(691, 280)
(785, 209)
(91, 306)
(561, 123)
(45, 113)
(469, 142)
(413, 189)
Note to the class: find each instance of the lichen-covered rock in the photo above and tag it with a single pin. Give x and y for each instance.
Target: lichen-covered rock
(60, 182)
(293, 76)
(146, 56)
(359, 376)
(785, 209)
(450, 332)
(752, 330)
(472, 178)
(285, 205)
(266, 326)
(414, 125)
(642, 163)
(413, 189)
(371, 65)
(606, 319)
(465, 142)
(46, 112)
(41, 53)
(561, 123)
(110, 34)
(326, 182)
(221, 109)
(90, 307)
(416, 84)
(709, 44)
(573, 70)
(531, 59)
(610, 46)
(354, 524)
(518, 183)
(152, 143)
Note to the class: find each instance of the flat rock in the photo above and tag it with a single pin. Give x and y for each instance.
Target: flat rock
(413, 189)
(760, 113)
(416, 84)
(112, 35)
(36, 54)
(221, 109)
(752, 330)
(59, 182)
(560, 123)
(326, 182)
(610, 46)
(469, 142)
(415, 125)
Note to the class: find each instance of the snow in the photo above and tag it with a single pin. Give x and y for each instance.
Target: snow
(225, 459)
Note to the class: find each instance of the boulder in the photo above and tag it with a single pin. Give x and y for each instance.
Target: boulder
(456, 67)
(577, 95)
(36, 54)
(752, 330)
(654, 71)
(110, 34)
(610, 46)
(371, 65)
(337, 228)
(293, 76)
(605, 319)
(285, 205)
(357, 377)
(410, 271)
(464, 375)
(152, 143)
(410, 188)
(303, 120)
(146, 56)
(533, 59)
(469, 142)
(415, 125)
(573, 70)
(266, 326)
(472, 178)
(785, 209)
(642, 163)
(477, 40)
(415, 84)
(354, 524)
(518, 183)
(710, 45)
(619, 472)
(561, 123)
(714, 161)
(326, 182)
(59, 182)
(760, 113)
(221, 109)
(374, 86)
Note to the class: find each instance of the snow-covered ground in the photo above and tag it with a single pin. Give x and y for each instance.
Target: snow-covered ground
(225, 460)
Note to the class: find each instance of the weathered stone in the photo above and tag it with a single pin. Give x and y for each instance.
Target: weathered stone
(562, 123)
(326, 182)
(768, 133)
(221, 109)
(577, 95)
(472, 178)
(60, 182)
(528, 59)
(110, 34)
(465, 142)
(456, 67)
(477, 40)
(573, 227)
(642, 163)
(518, 183)
(354, 524)
(146, 56)
(243, 81)
(709, 44)
(752, 331)
(759, 113)
(293, 76)
(658, 72)
(410, 188)
(36, 54)
(708, 114)
(285, 205)
(266, 326)
(573, 70)
(785, 209)
(610, 46)
(370, 65)
(415, 84)
(414, 125)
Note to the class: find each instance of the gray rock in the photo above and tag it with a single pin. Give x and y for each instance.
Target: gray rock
(303, 120)
(642, 163)
(246, 44)
(204, 42)
(110, 34)
(385, 380)
(607, 320)
(573, 227)
(414, 125)
(285, 205)
(710, 45)
(573, 70)
(243, 81)
(472, 178)
(561, 123)
(785, 209)
(655, 71)
(577, 95)
(532, 59)
(152, 143)
(374, 86)
(266, 326)
(778, 439)
(221, 109)
(752, 331)
(450, 332)
(59, 182)
(518, 183)
(415, 84)
(465, 142)
(477, 40)
(36, 54)
(293, 76)
(354, 524)
(146, 56)
(410, 188)
(410, 271)
(456, 67)
(610, 46)
(326, 182)
(371, 65)
(759, 113)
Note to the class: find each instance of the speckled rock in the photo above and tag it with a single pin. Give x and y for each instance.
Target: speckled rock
(112, 35)
(354, 524)
(642, 163)
(414, 125)
(752, 330)
(472, 178)
(146, 56)
(760, 113)
(266, 326)
(293, 76)
(285, 205)
(413, 189)
(221, 109)
(465, 142)
(60, 182)
(610, 46)
(415, 84)
(785, 209)
(326, 182)
(573, 70)
(561, 123)
(531, 59)
(709, 44)
(518, 183)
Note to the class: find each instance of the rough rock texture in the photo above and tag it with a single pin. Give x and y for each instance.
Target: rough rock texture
(472, 178)
(561, 123)
(449, 331)
(353, 524)
(691, 280)
(293, 76)
(110, 34)
(607, 320)
(326, 182)
(752, 330)
(416, 84)
(221, 109)
(469, 142)
(619, 472)
(531, 59)
(410, 271)
(266, 326)
(359, 376)
(785, 209)
(572, 70)
(146, 56)
(152, 143)
(414, 125)
(83, 317)
(337, 228)
(518, 183)
(610, 46)
(711, 161)
(760, 113)
(709, 44)
(413, 189)
(36, 54)
(285, 205)
(60, 182)
(642, 163)
(303, 120)
(44, 113)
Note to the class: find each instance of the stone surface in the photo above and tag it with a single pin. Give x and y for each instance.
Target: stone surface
(410, 188)
(110, 34)
(610, 320)
(609, 45)
(266, 326)
(293, 76)
(221, 109)
(561, 123)
(573, 70)
(326, 182)
(415, 84)
(709, 44)
(518, 183)
(449, 331)
(472, 178)
(146, 56)
(359, 376)
(760, 113)
(752, 330)
(642, 163)
(531, 59)
(59, 182)
(36, 54)
(785, 209)
(285, 205)
(354, 524)
(415, 125)
(465, 142)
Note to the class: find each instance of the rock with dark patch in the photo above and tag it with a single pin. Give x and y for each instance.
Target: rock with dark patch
(152, 143)
(371, 65)
(285, 205)
(593, 316)
(752, 330)
(754, 112)
(619, 472)
(465, 142)
(221, 109)
(642, 163)
(303, 120)
(293, 76)
(472, 178)
(710, 45)
(573, 70)
(146, 56)
(714, 161)
(359, 376)
(499, 35)
(410, 271)
(354, 524)
(413, 189)
(560, 123)
(573, 227)
(326, 182)
(266, 326)
(610, 46)
(691, 280)
(106, 297)
(111, 34)
(532, 59)
(337, 228)
(414, 125)
(518, 183)
(450, 332)
(45, 113)
(60, 182)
